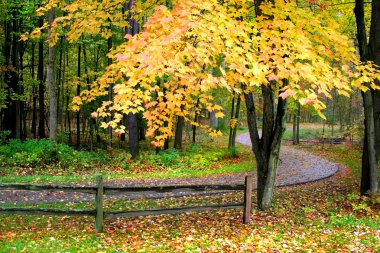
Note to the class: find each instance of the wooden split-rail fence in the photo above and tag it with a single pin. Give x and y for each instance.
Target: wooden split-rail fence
(100, 190)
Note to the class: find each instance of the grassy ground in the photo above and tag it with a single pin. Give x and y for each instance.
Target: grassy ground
(325, 216)
(314, 131)
(44, 162)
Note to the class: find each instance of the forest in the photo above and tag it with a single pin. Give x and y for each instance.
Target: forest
(156, 93)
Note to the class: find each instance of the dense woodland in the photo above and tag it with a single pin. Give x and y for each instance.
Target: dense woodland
(61, 61)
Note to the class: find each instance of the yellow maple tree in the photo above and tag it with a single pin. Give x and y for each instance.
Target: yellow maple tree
(170, 65)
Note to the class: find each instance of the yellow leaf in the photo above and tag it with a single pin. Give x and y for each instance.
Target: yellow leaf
(219, 115)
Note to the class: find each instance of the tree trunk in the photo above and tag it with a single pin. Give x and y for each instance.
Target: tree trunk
(374, 54)
(369, 162)
(213, 120)
(22, 114)
(234, 129)
(110, 91)
(68, 117)
(91, 121)
(295, 128)
(267, 147)
(133, 135)
(59, 81)
(296, 125)
(78, 93)
(34, 94)
(41, 87)
(178, 132)
(133, 126)
(51, 83)
(231, 119)
(140, 123)
(15, 76)
(371, 51)
(376, 115)
(194, 127)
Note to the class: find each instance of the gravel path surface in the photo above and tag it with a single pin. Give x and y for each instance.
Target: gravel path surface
(296, 167)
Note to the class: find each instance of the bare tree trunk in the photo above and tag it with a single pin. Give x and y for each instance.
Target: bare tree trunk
(51, 83)
(376, 112)
(41, 87)
(34, 94)
(267, 147)
(231, 119)
(369, 162)
(22, 114)
(178, 132)
(194, 127)
(374, 53)
(78, 93)
(296, 125)
(133, 135)
(234, 129)
(90, 120)
(59, 81)
(369, 182)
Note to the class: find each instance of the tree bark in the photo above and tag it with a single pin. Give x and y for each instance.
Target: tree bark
(296, 125)
(59, 81)
(369, 161)
(41, 87)
(133, 135)
(179, 132)
(51, 82)
(231, 118)
(371, 51)
(267, 147)
(110, 90)
(234, 129)
(374, 55)
(15, 74)
(78, 93)
(133, 126)
(194, 127)
(34, 94)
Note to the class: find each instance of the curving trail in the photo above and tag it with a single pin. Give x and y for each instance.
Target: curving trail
(296, 167)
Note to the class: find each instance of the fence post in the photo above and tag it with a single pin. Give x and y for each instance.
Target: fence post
(247, 199)
(99, 205)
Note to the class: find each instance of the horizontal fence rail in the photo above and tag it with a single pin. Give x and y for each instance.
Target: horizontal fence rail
(31, 187)
(45, 211)
(100, 190)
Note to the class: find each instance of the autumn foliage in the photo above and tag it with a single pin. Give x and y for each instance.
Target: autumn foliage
(171, 67)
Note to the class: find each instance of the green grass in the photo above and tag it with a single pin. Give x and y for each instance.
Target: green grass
(312, 133)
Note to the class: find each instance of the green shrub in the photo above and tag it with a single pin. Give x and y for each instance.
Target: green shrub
(3, 136)
(170, 156)
(28, 153)
(45, 152)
